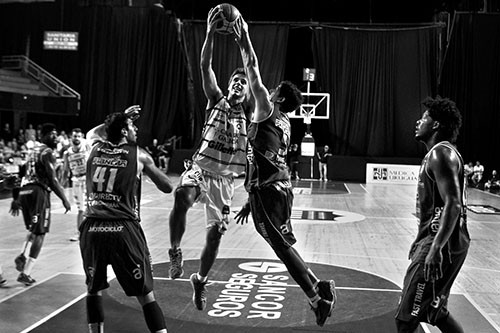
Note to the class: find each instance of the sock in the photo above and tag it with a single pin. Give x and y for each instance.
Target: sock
(29, 265)
(95, 311)
(26, 247)
(96, 328)
(201, 278)
(154, 317)
(314, 279)
(314, 301)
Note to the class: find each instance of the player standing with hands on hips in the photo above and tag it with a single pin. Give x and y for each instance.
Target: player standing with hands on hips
(267, 178)
(442, 241)
(111, 233)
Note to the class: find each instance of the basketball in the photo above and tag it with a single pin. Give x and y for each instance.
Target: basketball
(229, 15)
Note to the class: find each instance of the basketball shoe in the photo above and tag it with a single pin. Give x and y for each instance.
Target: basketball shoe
(176, 270)
(326, 290)
(322, 311)
(3, 281)
(25, 279)
(20, 262)
(199, 292)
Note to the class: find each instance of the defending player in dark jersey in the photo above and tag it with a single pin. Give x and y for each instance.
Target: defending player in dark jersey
(268, 180)
(33, 198)
(442, 240)
(111, 233)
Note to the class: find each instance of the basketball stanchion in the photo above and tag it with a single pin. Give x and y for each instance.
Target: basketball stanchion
(315, 106)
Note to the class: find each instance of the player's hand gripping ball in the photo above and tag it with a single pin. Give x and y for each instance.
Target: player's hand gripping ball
(228, 14)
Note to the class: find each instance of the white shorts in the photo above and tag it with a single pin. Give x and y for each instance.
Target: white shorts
(79, 192)
(215, 192)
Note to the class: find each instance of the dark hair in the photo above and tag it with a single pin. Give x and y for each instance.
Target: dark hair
(47, 128)
(293, 96)
(239, 70)
(445, 111)
(77, 130)
(114, 123)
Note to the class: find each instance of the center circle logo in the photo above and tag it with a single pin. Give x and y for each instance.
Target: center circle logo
(260, 295)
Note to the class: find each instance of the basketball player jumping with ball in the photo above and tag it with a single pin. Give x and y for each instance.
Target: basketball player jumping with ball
(219, 158)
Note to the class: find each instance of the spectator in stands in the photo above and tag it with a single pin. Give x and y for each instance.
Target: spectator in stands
(293, 161)
(165, 152)
(38, 133)
(6, 133)
(63, 143)
(9, 152)
(469, 171)
(154, 151)
(21, 137)
(478, 174)
(323, 157)
(493, 183)
(30, 133)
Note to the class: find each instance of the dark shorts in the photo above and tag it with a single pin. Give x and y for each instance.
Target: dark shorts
(425, 301)
(122, 245)
(271, 208)
(35, 204)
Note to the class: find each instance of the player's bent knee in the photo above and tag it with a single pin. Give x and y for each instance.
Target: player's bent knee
(185, 197)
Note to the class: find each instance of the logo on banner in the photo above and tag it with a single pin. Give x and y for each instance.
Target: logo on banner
(380, 173)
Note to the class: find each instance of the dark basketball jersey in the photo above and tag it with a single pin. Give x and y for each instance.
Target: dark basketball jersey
(430, 206)
(35, 170)
(266, 154)
(113, 182)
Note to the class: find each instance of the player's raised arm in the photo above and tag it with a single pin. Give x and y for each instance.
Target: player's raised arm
(263, 106)
(160, 179)
(209, 80)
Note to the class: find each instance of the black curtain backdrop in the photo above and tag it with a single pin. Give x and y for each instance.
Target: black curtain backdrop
(377, 78)
(132, 56)
(126, 55)
(471, 77)
(270, 44)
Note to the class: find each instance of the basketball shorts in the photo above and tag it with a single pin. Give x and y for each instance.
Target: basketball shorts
(79, 192)
(215, 192)
(271, 207)
(122, 245)
(426, 301)
(35, 205)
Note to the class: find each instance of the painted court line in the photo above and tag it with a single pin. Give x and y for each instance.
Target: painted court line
(26, 288)
(53, 314)
(284, 285)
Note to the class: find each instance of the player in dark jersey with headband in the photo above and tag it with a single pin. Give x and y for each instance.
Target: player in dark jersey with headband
(111, 233)
(268, 179)
(442, 240)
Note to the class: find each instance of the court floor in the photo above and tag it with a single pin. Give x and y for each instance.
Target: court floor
(357, 234)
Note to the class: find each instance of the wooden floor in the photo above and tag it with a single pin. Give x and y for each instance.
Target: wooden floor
(376, 240)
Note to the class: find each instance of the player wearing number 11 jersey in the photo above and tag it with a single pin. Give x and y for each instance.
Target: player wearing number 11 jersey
(111, 233)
